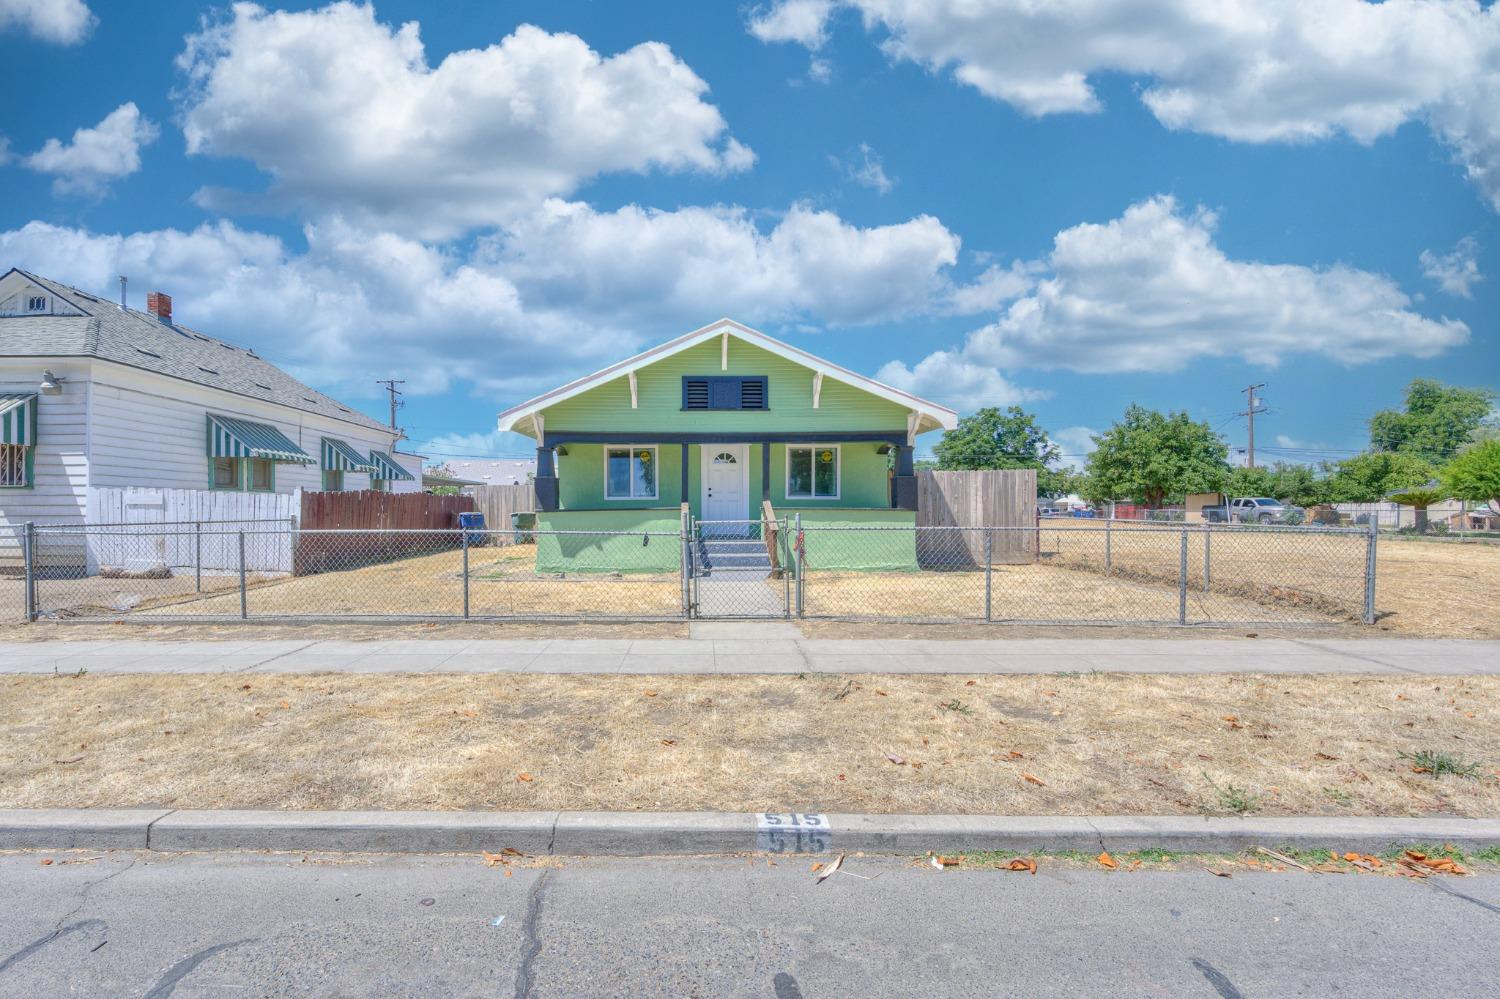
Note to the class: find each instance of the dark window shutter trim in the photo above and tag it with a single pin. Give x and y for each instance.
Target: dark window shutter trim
(725, 392)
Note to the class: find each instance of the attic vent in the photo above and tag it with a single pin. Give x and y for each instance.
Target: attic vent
(207, 371)
(313, 401)
(724, 392)
(143, 350)
(266, 387)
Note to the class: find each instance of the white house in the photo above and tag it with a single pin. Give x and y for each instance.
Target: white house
(95, 395)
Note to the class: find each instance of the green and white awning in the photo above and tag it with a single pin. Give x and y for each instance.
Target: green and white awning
(18, 419)
(385, 468)
(231, 438)
(340, 457)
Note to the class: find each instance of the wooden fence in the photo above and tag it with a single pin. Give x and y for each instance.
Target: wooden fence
(373, 511)
(497, 503)
(980, 498)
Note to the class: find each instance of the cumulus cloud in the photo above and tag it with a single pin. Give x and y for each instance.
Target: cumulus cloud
(1076, 444)
(867, 170)
(98, 155)
(346, 116)
(66, 22)
(552, 294)
(947, 376)
(1456, 272)
(1247, 70)
(1150, 291)
(802, 21)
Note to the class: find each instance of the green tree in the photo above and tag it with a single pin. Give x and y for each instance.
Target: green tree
(1475, 474)
(995, 438)
(1435, 423)
(1149, 456)
(1374, 475)
(1419, 498)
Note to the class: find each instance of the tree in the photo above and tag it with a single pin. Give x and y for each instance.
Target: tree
(1149, 456)
(1475, 474)
(1419, 498)
(1436, 422)
(1370, 477)
(992, 438)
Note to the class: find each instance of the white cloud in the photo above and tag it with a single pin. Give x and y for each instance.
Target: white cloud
(98, 155)
(946, 376)
(819, 70)
(346, 116)
(802, 21)
(866, 171)
(1456, 272)
(1076, 444)
(553, 296)
(995, 286)
(1248, 70)
(1150, 291)
(66, 22)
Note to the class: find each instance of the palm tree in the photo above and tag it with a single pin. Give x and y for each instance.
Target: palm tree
(1419, 498)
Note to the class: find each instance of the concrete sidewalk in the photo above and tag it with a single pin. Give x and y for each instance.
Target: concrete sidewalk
(760, 655)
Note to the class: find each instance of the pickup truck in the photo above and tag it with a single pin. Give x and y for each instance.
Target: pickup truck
(1246, 510)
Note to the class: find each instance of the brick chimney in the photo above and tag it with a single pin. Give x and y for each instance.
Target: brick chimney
(159, 305)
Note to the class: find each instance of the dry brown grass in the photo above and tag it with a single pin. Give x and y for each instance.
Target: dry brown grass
(1438, 590)
(1098, 743)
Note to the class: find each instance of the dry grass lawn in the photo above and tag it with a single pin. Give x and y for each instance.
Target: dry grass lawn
(1094, 743)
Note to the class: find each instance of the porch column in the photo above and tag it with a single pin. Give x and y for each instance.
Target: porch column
(765, 471)
(683, 497)
(546, 480)
(904, 485)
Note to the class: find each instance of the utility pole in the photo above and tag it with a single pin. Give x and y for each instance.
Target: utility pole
(390, 386)
(1252, 406)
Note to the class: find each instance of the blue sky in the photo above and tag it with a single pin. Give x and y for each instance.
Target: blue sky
(984, 208)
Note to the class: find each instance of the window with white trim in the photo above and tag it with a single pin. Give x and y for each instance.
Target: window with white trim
(13, 465)
(36, 303)
(629, 472)
(812, 472)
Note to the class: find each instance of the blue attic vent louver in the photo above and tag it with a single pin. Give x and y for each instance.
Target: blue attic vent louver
(725, 392)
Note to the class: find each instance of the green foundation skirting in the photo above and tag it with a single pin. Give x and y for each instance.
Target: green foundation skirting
(627, 541)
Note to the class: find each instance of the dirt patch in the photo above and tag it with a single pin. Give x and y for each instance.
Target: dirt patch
(1096, 744)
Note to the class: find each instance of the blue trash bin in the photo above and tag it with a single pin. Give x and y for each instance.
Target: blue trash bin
(473, 528)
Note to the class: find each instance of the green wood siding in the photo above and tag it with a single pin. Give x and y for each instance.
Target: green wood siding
(659, 393)
(642, 550)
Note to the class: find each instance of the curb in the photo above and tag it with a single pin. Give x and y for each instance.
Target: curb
(639, 834)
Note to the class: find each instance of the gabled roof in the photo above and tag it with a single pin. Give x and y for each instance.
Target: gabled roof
(140, 340)
(930, 415)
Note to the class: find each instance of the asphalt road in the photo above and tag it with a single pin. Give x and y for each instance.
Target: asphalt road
(152, 925)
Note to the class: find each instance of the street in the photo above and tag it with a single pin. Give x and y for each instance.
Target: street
(154, 925)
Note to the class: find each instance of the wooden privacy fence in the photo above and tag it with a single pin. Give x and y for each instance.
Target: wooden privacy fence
(978, 498)
(373, 511)
(497, 503)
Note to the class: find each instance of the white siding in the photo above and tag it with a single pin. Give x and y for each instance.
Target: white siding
(149, 430)
(60, 470)
(413, 464)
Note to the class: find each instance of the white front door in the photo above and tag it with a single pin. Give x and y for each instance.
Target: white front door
(726, 483)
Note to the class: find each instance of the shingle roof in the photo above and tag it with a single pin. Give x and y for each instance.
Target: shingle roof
(140, 340)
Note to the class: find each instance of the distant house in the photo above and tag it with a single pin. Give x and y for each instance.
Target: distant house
(723, 420)
(492, 472)
(94, 395)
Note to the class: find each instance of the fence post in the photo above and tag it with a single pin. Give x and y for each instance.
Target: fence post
(797, 551)
(1370, 573)
(1182, 580)
(683, 528)
(197, 556)
(28, 553)
(989, 542)
(244, 604)
(1109, 541)
(465, 535)
(1208, 547)
(786, 566)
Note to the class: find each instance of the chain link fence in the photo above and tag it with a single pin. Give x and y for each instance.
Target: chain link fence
(1062, 572)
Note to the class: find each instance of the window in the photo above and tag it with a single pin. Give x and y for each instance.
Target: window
(262, 477)
(13, 466)
(379, 485)
(812, 472)
(333, 479)
(36, 303)
(226, 473)
(629, 473)
(725, 392)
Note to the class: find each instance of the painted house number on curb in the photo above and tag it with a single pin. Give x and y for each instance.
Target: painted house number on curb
(792, 832)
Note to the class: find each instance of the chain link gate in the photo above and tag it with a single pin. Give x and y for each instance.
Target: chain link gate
(738, 568)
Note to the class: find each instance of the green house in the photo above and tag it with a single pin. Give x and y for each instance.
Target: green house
(722, 420)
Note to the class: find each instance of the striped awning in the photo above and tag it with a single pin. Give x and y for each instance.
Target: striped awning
(18, 419)
(385, 468)
(231, 438)
(340, 457)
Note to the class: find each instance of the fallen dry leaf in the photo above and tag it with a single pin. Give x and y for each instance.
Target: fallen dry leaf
(509, 872)
(511, 851)
(899, 761)
(284, 705)
(941, 862)
(831, 869)
(969, 683)
(1013, 755)
(46, 861)
(524, 778)
(1106, 861)
(881, 692)
(1218, 874)
(1033, 779)
(1026, 864)
(1323, 756)
(649, 693)
(669, 742)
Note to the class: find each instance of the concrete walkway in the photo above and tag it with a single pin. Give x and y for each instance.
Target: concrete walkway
(766, 653)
